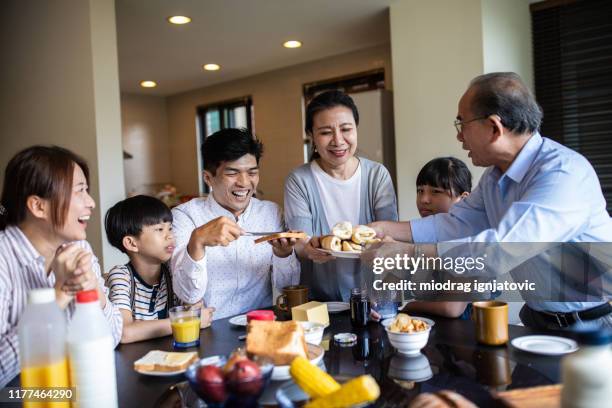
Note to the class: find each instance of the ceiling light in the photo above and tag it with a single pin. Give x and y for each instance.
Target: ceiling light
(211, 67)
(148, 84)
(292, 44)
(179, 20)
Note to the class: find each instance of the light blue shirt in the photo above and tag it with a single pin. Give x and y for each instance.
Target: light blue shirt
(550, 194)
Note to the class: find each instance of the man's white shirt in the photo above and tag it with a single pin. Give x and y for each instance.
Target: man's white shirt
(236, 278)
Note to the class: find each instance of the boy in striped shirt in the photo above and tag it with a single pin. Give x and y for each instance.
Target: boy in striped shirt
(141, 227)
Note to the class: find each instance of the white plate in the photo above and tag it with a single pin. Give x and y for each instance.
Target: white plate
(337, 307)
(390, 320)
(161, 373)
(549, 345)
(239, 320)
(315, 355)
(343, 254)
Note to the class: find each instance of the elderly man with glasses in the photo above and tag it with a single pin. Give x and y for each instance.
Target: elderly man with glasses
(535, 192)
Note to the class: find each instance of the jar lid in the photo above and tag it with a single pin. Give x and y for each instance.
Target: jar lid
(260, 315)
(345, 338)
(87, 296)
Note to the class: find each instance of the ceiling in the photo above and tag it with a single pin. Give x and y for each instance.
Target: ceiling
(243, 36)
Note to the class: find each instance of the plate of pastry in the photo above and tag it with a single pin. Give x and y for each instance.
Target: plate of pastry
(348, 241)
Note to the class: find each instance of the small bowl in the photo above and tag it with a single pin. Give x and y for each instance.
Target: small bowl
(214, 394)
(408, 343)
(228, 393)
(313, 332)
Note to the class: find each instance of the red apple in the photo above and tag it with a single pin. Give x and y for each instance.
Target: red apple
(210, 382)
(245, 378)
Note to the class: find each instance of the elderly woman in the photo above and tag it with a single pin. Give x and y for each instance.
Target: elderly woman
(43, 218)
(335, 186)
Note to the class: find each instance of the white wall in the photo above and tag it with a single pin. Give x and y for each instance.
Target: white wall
(277, 100)
(145, 137)
(60, 86)
(437, 47)
(506, 35)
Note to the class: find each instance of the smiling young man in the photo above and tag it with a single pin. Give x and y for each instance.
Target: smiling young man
(214, 260)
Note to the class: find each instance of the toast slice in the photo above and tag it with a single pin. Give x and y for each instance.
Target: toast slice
(296, 235)
(165, 361)
(279, 341)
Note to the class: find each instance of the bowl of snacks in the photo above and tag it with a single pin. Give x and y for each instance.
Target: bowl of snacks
(408, 335)
(313, 332)
(234, 381)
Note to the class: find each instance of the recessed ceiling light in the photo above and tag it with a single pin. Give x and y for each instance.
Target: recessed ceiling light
(292, 44)
(148, 84)
(179, 20)
(211, 67)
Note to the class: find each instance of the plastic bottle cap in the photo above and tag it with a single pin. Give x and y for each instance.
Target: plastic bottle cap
(87, 296)
(43, 295)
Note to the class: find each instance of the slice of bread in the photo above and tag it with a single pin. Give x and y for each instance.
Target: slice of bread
(165, 361)
(279, 341)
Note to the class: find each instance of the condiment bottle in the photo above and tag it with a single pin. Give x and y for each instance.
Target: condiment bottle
(91, 354)
(360, 308)
(587, 374)
(42, 345)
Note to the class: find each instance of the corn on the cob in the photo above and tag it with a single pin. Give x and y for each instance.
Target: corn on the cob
(358, 390)
(314, 381)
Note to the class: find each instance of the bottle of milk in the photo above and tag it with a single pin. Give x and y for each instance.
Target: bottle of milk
(91, 354)
(587, 374)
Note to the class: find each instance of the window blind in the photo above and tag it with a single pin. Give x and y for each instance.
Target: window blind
(572, 46)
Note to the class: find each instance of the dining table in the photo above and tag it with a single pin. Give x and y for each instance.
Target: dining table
(452, 360)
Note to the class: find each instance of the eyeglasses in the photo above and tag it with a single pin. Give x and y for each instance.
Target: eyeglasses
(459, 123)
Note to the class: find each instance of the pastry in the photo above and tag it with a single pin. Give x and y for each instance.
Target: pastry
(348, 246)
(331, 243)
(343, 230)
(363, 235)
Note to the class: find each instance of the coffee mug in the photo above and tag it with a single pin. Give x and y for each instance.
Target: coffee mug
(292, 296)
(491, 321)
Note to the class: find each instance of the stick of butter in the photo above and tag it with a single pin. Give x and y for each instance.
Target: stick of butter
(311, 312)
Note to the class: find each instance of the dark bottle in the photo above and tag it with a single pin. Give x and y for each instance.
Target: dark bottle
(360, 308)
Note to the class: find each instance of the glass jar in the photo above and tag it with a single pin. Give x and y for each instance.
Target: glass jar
(360, 308)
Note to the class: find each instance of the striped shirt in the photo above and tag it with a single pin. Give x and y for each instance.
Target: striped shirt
(22, 268)
(150, 301)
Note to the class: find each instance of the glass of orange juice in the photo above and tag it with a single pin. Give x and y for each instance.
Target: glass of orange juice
(185, 322)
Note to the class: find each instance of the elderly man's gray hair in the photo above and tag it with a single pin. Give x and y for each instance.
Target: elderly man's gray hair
(506, 95)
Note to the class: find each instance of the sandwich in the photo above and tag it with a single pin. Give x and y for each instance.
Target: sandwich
(281, 342)
(157, 360)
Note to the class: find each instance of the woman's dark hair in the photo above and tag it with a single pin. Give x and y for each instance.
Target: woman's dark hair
(43, 171)
(505, 94)
(448, 173)
(324, 101)
(229, 145)
(127, 217)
